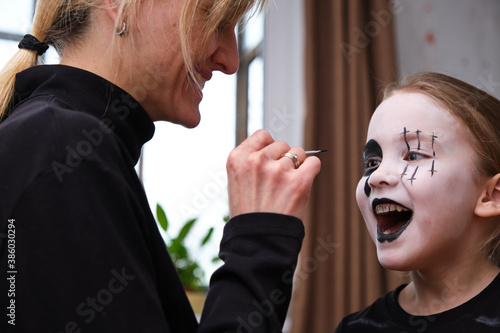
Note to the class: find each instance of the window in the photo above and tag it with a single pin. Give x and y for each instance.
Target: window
(15, 22)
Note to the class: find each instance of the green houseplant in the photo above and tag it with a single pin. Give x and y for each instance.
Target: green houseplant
(188, 268)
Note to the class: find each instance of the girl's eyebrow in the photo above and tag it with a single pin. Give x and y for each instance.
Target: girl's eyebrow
(372, 148)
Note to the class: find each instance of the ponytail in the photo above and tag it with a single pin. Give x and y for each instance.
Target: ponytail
(46, 13)
(54, 22)
(22, 60)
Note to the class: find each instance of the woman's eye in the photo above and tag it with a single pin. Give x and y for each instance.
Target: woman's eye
(223, 24)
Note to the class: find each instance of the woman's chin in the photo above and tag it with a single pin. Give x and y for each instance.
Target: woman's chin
(191, 122)
(187, 118)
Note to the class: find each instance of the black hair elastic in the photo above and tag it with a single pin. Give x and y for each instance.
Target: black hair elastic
(30, 42)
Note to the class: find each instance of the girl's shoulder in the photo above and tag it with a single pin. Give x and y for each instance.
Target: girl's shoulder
(375, 318)
(480, 314)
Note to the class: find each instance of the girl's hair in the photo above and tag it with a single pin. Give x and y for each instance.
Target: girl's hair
(63, 22)
(477, 110)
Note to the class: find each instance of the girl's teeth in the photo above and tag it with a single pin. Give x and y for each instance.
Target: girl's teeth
(386, 208)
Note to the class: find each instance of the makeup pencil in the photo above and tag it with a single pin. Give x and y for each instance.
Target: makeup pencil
(313, 152)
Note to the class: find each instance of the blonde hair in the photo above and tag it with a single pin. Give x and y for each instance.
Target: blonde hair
(478, 111)
(61, 22)
(221, 14)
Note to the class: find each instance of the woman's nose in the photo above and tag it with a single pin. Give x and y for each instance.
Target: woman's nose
(225, 57)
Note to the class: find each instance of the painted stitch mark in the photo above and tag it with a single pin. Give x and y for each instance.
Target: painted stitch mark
(406, 140)
(413, 176)
(433, 169)
(404, 172)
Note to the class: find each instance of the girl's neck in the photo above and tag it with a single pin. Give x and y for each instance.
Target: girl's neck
(434, 292)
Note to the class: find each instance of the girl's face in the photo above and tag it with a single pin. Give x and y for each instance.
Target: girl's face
(160, 81)
(418, 194)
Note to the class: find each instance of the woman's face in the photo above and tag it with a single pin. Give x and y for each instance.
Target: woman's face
(418, 194)
(160, 81)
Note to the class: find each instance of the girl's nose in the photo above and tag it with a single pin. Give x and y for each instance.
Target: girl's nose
(384, 176)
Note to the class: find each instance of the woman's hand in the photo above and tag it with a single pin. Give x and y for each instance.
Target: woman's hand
(261, 179)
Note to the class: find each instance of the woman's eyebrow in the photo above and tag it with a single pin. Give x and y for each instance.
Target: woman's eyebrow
(372, 148)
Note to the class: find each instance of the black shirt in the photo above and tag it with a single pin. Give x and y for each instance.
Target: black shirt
(480, 314)
(80, 249)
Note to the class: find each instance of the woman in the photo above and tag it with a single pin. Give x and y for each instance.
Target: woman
(83, 252)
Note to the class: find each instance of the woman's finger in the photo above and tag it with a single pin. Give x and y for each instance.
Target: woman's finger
(255, 142)
(294, 156)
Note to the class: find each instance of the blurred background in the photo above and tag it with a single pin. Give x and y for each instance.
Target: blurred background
(311, 73)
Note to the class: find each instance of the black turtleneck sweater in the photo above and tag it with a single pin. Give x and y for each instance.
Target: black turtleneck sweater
(80, 249)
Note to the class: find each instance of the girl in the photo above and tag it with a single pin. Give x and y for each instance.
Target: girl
(430, 198)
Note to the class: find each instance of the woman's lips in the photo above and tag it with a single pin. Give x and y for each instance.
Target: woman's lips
(205, 73)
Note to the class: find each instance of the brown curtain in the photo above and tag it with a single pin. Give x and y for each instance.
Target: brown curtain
(349, 57)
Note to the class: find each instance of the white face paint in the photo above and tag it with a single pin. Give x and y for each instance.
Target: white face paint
(417, 195)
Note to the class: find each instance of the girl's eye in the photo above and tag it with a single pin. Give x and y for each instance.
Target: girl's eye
(413, 156)
(371, 164)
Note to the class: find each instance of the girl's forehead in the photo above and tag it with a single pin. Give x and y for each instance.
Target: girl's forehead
(414, 120)
(411, 112)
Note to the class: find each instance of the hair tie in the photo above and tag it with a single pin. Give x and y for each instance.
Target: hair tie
(30, 42)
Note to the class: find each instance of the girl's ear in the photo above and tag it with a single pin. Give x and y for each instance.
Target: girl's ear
(488, 203)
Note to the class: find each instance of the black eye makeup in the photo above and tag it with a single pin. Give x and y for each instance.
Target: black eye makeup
(423, 148)
(372, 157)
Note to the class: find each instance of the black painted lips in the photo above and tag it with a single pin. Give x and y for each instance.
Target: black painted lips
(390, 225)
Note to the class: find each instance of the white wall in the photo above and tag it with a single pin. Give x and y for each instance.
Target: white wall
(284, 85)
(460, 38)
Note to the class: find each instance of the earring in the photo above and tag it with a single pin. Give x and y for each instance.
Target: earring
(123, 30)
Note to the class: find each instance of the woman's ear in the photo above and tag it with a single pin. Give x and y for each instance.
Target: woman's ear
(488, 203)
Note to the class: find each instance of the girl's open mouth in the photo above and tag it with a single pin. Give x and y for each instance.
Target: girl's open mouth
(392, 219)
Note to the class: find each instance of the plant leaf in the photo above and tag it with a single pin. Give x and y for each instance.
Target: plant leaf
(185, 230)
(207, 237)
(162, 217)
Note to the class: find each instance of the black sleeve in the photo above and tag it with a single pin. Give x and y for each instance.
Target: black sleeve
(252, 290)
